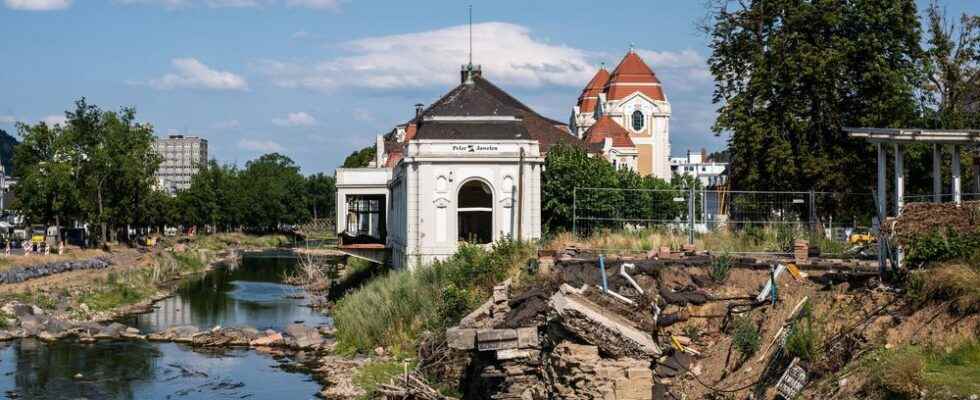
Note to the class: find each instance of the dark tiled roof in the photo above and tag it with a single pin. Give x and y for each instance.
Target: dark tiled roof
(486, 130)
(470, 100)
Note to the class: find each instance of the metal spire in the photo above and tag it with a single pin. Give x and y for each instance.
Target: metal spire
(471, 36)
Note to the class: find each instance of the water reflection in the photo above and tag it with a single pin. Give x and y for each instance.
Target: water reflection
(139, 370)
(248, 294)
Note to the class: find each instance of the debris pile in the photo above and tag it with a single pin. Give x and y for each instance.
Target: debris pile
(632, 329)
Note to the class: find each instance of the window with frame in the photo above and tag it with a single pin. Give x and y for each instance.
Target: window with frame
(638, 120)
(364, 216)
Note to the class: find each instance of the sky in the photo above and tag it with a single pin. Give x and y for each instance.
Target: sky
(318, 79)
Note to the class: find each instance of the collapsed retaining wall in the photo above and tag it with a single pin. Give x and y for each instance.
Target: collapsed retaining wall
(20, 274)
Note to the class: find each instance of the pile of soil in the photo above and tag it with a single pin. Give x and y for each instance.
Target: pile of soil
(922, 219)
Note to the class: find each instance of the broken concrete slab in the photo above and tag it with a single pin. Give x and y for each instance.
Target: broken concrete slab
(513, 354)
(461, 338)
(527, 337)
(612, 333)
(580, 373)
(496, 339)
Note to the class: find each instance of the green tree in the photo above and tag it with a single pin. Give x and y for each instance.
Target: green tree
(321, 190)
(360, 158)
(791, 74)
(276, 192)
(567, 168)
(952, 66)
(7, 144)
(47, 172)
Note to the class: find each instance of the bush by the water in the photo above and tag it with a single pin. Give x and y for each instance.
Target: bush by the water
(393, 310)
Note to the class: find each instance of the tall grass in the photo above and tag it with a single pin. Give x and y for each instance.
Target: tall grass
(942, 373)
(956, 282)
(393, 310)
(768, 238)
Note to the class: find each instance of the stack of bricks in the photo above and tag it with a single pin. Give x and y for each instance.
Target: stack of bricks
(801, 251)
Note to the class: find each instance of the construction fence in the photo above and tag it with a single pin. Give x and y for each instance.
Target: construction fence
(696, 212)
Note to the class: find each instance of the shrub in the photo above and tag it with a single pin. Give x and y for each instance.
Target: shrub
(940, 246)
(720, 268)
(745, 336)
(899, 374)
(803, 340)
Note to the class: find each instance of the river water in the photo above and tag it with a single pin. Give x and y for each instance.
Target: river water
(251, 294)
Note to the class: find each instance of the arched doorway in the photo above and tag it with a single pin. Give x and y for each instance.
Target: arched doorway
(475, 212)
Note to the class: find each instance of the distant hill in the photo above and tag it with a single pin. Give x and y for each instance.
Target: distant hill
(7, 144)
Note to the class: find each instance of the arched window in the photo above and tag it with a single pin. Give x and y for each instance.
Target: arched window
(475, 212)
(638, 120)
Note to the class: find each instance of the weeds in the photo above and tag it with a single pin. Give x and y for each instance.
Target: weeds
(5, 320)
(745, 336)
(721, 266)
(958, 283)
(803, 340)
(372, 374)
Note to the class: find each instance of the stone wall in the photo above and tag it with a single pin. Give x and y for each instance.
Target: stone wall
(20, 274)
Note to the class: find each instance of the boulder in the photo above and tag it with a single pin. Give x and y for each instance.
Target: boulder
(31, 324)
(268, 340)
(305, 336)
(180, 334)
(111, 331)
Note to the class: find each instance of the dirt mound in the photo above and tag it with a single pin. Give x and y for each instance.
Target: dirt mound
(920, 219)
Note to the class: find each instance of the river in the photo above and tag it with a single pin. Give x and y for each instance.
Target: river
(251, 293)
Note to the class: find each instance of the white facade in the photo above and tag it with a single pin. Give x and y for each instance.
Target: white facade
(708, 172)
(426, 195)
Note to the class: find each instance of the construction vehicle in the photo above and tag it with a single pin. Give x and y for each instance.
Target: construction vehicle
(860, 238)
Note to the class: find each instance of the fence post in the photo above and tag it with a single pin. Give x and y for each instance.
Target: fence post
(574, 210)
(690, 215)
(813, 211)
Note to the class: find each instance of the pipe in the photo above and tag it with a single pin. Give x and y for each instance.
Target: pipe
(622, 272)
(602, 268)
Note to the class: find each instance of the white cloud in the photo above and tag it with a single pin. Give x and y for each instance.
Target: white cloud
(333, 5)
(7, 119)
(684, 71)
(54, 119)
(508, 54)
(38, 5)
(266, 146)
(295, 119)
(193, 74)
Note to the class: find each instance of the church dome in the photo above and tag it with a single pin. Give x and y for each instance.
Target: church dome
(633, 75)
(590, 95)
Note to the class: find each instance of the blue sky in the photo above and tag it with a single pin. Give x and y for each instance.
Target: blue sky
(317, 79)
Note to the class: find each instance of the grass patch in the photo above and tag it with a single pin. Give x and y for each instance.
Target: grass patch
(118, 290)
(221, 241)
(6, 320)
(394, 309)
(905, 372)
(769, 238)
(372, 374)
(958, 283)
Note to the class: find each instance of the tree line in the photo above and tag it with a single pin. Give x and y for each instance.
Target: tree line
(98, 167)
(790, 75)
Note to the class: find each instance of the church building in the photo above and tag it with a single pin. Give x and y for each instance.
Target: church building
(626, 116)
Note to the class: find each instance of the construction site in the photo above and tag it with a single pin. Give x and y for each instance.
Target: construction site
(684, 323)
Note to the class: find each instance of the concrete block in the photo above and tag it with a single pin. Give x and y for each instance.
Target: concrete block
(613, 333)
(527, 337)
(513, 354)
(496, 339)
(461, 338)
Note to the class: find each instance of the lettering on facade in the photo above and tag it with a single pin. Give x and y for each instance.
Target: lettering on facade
(473, 148)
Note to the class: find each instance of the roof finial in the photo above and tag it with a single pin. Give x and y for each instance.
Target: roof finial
(602, 65)
(471, 36)
(631, 47)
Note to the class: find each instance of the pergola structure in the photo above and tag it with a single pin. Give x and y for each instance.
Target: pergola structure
(950, 140)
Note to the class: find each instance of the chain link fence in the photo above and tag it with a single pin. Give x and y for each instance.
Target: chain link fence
(697, 213)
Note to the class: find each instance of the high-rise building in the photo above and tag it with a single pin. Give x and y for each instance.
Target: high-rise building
(183, 156)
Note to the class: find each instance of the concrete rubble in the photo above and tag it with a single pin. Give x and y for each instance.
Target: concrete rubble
(21, 274)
